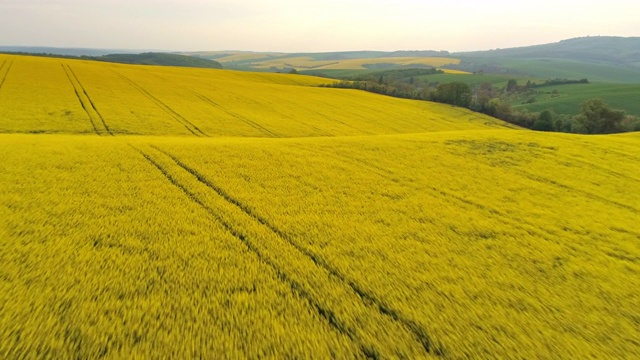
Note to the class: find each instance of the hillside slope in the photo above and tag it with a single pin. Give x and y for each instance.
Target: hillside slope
(612, 50)
(258, 216)
(162, 59)
(446, 245)
(43, 95)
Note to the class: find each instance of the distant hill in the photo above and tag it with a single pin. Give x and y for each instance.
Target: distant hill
(610, 50)
(147, 58)
(65, 51)
(163, 59)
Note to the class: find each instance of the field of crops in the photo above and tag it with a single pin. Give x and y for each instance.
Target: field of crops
(308, 63)
(567, 69)
(322, 61)
(427, 232)
(569, 97)
(43, 95)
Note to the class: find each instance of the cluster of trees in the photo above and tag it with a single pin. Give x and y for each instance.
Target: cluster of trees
(596, 117)
(402, 83)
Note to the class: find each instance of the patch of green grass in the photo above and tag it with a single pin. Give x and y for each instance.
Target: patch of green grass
(569, 97)
(337, 73)
(567, 69)
(497, 80)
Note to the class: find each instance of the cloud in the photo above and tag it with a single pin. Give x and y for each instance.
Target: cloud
(286, 25)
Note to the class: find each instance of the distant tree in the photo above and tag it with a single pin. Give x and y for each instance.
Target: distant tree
(564, 123)
(483, 94)
(596, 117)
(544, 122)
(454, 93)
(499, 109)
(512, 85)
(630, 123)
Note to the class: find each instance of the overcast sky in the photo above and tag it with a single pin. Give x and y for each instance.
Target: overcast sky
(310, 26)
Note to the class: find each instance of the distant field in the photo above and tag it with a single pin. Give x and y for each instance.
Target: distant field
(309, 63)
(322, 61)
(569, 97)
(496, 80)
(152, 212)
(567, 69)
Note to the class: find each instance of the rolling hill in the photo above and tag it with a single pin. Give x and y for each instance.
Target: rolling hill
(162, 59)
(328, 62)
(611, 50)
(73, 96)
(178, 212)
(598, 58)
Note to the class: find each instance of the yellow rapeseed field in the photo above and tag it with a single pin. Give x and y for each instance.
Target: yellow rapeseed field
(152, 212)
(64, 96)
(307, 63)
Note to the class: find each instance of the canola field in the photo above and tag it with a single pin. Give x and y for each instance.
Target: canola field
(444, 235)
(43, 95)
(262, 61)
(309, 63)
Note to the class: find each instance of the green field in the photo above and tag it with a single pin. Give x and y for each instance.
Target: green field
(566, 69)
(497, 80)
(159, 212)
(569, 97)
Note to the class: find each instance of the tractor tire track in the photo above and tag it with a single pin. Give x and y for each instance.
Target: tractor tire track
(93, 106)
(601, 168)
(521, 224)
(177, 117)
(84, 107)
(584, 193)
(325, 313)
(364, 132)
(389, 175)
(420, 334)
(293, 119)
(246, 120)
(4, 78)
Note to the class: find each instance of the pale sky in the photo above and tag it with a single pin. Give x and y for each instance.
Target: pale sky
(309, 26)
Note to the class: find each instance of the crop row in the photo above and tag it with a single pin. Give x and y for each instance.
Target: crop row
(122, 99)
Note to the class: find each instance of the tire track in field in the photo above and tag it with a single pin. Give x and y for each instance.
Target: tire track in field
(419, 334)
(330, 119)
(84, 106)
(93, 106)
(293, 119)
(296, 287)
(584, 193)
(176, 116)
(389, 175)
(4, 78)
(612, 149)
(521, 224)
(246, 120)
(601, 168)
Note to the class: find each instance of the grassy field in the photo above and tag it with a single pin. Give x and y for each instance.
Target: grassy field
(497, 80)
(569, 97)
(566, 69)
(406, 230)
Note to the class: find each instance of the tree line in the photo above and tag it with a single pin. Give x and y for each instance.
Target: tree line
(595, 117)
